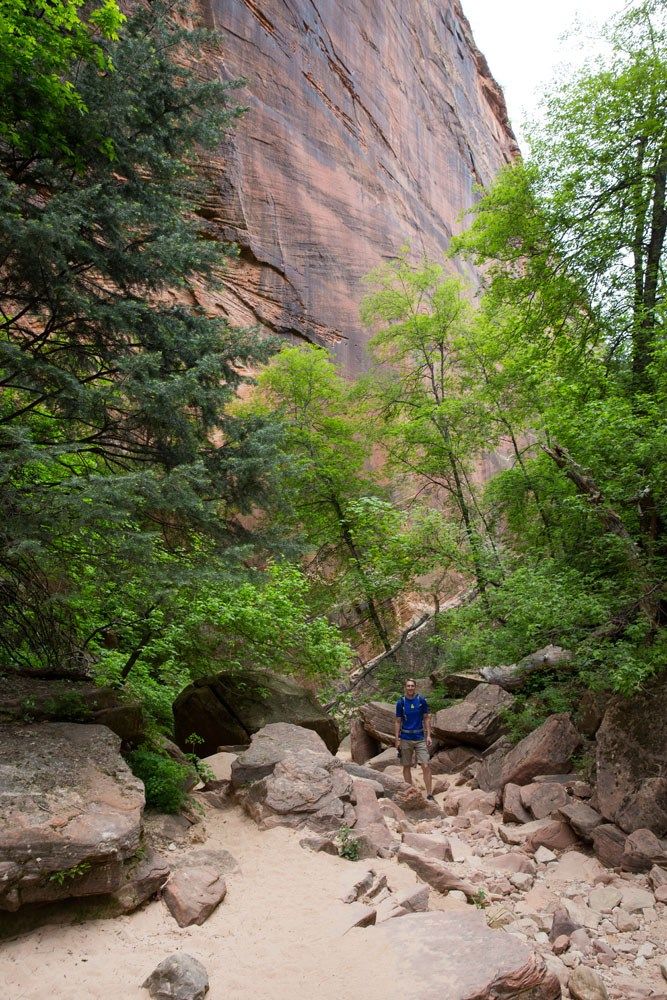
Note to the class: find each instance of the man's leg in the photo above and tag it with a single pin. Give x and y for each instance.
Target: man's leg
(407, 774)
(428, 782)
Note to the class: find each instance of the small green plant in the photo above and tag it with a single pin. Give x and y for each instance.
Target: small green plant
(28, 706)
(348, 845)
(164, 779)
(64, 875)
(479, 899)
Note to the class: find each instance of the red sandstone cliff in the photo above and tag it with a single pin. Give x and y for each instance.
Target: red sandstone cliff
(369, 124)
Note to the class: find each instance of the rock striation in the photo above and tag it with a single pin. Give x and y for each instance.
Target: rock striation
(368, 127)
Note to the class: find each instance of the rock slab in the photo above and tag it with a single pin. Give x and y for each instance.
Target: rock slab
(71, 812)
(547, 750)
(456, 956)
(192, 894)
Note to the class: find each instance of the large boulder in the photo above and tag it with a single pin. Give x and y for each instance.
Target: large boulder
(515, 675)
(271, 745)
(631, 752)
(193, 892)
(547, 750)
(476, 720)
(71, 813)
(227, 708)
(362, 745)
(378, 720)
(456, 956)
(303, 788)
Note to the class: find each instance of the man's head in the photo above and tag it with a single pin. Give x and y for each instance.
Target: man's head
(410, 687)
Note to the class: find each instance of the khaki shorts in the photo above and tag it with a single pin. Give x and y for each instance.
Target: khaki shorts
(411, 747)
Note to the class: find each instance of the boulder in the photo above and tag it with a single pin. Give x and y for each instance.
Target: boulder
(362, 746)
(554, 834)
(489, 771)
(378, 721)
(514, 676)
(413, 900)
(142, 879)
(581, 817)
(387, 758)
(455, 955)
(642, 850)
(370, 822)
(429, 843)
(590, 712)
(435, 872)
(562, 924)
(229, 707)
(514, 862)
(547, 750)
(179, 977)
(543, 798)
(457, 685)
(453, 760)
(71, 814)
(269, 746)
(476, 720)
(631, 761)
(609, 844)
(192, 894)
(304, 788)
(514, 810)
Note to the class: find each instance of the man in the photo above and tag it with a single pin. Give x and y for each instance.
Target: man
(412, 728)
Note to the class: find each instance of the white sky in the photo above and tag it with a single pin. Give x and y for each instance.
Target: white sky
(522, 41)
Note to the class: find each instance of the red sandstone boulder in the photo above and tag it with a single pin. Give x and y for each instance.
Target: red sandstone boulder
(547, 750)
(477, 720)
(631, 764)
(362, 746)
(191, 894)
(544, 798)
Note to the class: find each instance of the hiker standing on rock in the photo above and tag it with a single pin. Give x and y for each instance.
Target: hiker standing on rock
(412, 728)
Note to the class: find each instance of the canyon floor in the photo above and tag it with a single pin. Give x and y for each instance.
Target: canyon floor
(283, 932)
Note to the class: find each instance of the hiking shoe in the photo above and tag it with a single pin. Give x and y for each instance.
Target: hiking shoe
(429, 798)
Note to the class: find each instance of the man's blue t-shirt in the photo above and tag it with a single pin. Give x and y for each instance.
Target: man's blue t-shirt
(412, 712)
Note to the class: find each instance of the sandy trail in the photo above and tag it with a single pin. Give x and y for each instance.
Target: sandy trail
(277, 935)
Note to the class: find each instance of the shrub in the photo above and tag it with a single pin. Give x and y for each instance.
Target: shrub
(164, 779)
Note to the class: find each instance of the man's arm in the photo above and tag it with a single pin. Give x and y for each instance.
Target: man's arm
(398, 722)
(427, 728)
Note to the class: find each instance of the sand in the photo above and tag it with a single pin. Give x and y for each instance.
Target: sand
(278, 935)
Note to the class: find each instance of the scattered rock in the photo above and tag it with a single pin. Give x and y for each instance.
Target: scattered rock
(435, 873)
(319, 844)
(71, 812)
(554, 834)
(191, 894)
(359, 915)
(581, 818)
(609, 844)
(179, 977)
(562, 925)
(142, 880)
(514, 810)
(458, 953)
(604, 898)
(431, 844)
(547, 749)
(561, 944)
(413, 900)
(477, 720)
(544, 856)
(514, 862)
(634, 899)
(584, 984)
(387, 758)
(269, 746)
(625, 922)
(543, 799)
(643, 850)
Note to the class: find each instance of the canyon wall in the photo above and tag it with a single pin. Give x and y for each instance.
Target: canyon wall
(369, 124)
